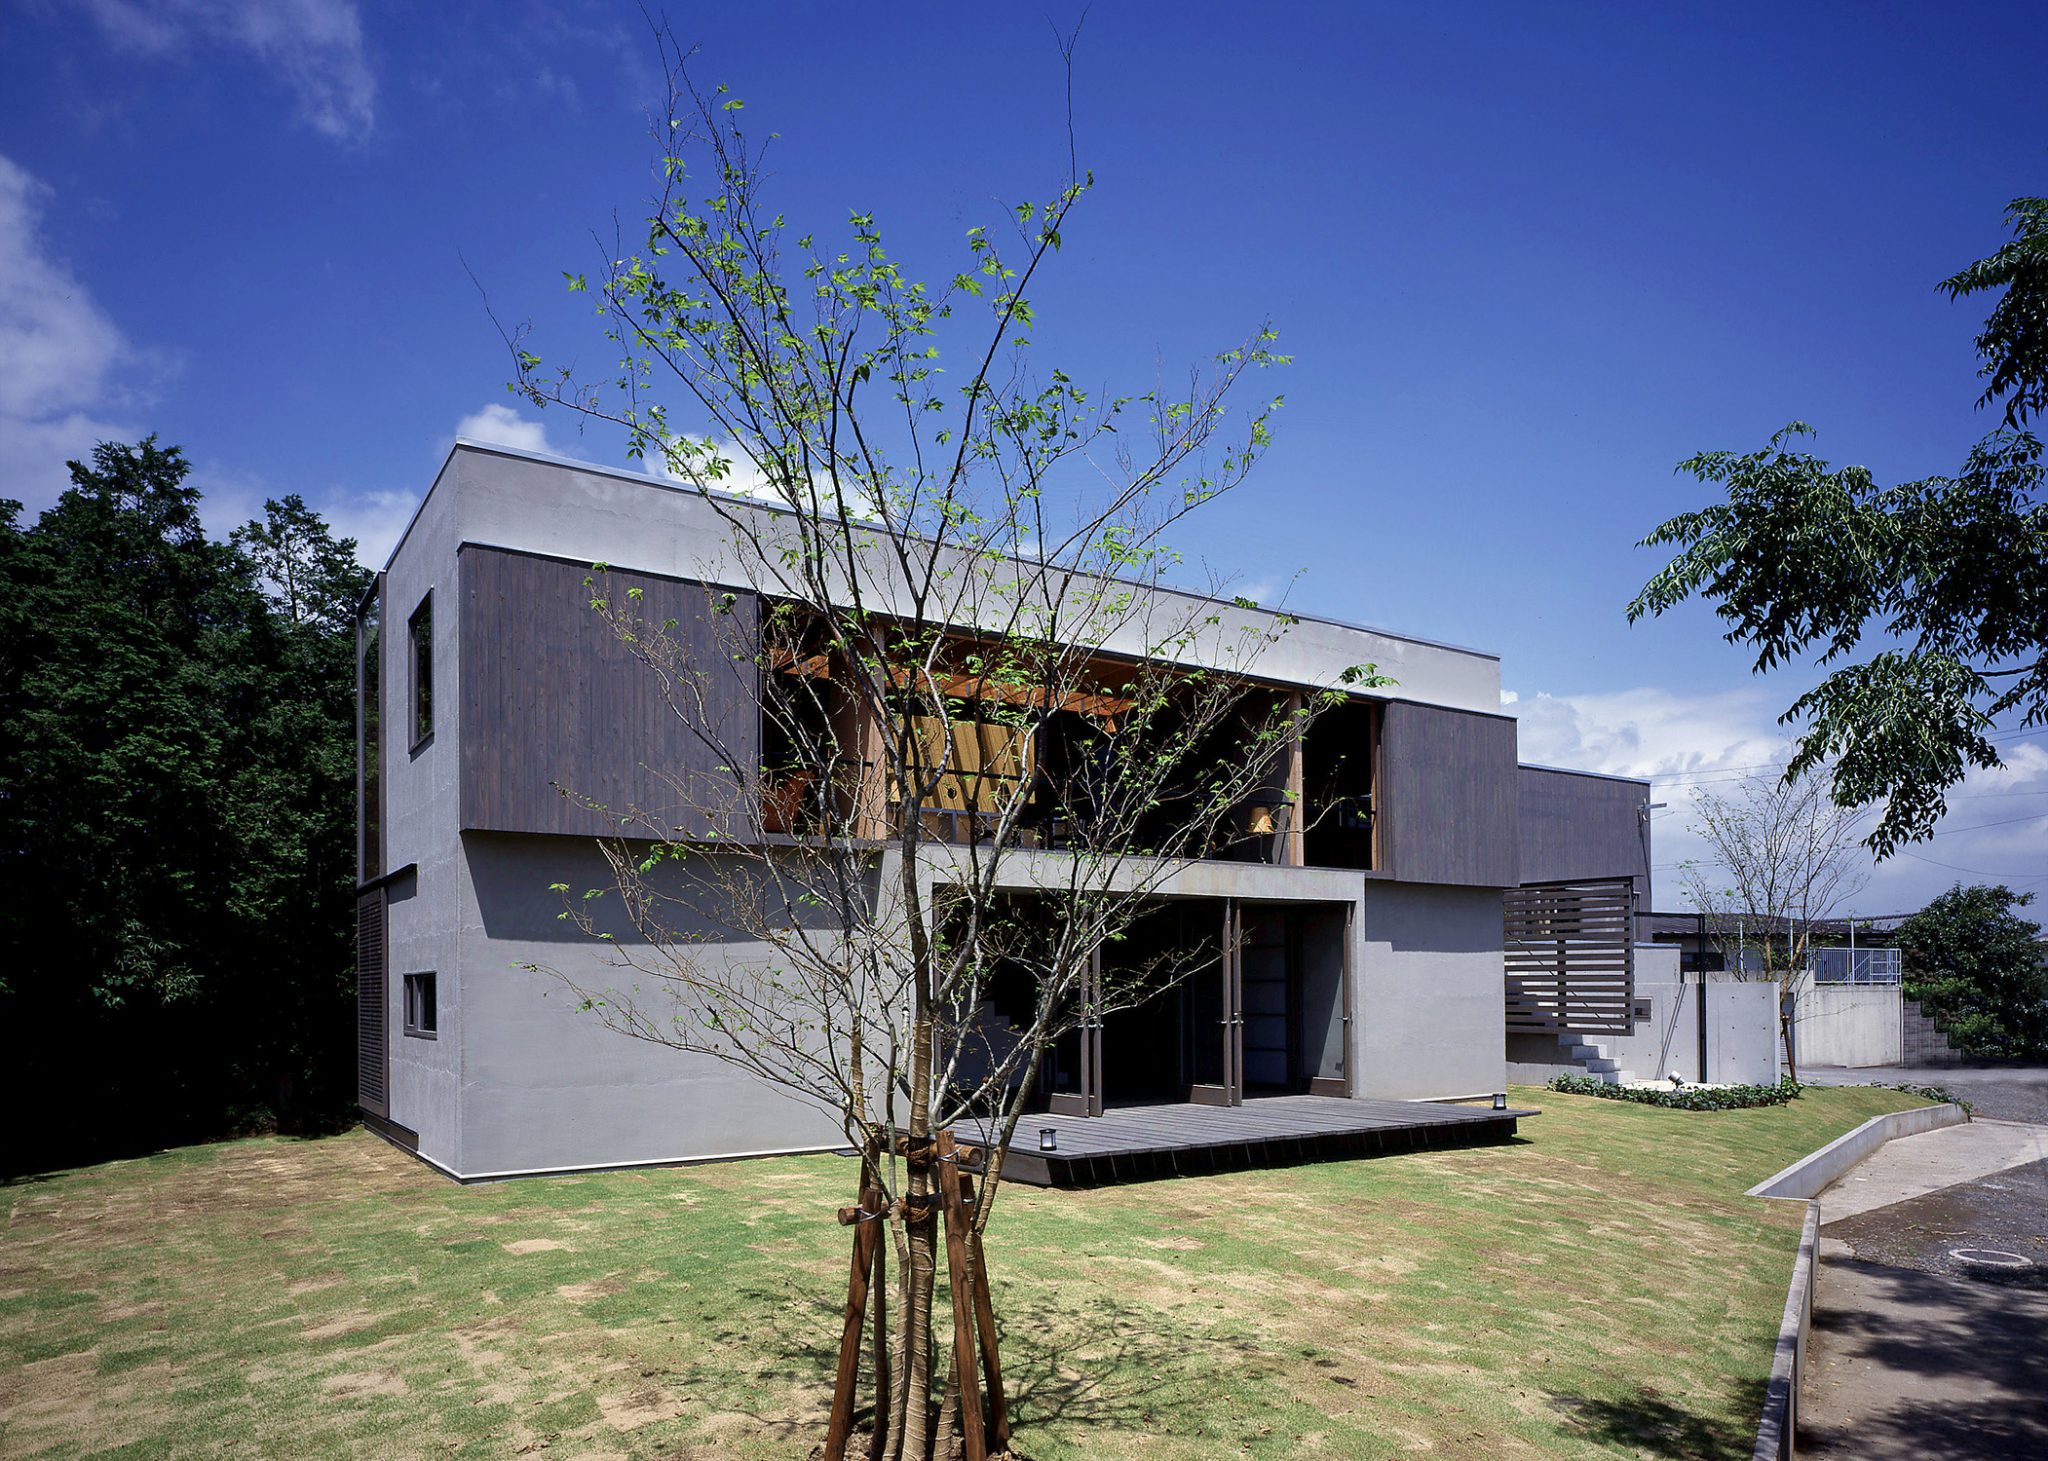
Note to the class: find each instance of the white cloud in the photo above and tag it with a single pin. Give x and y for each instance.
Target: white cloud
(1648, 732)
(498, 425)
(1689, 744)
(228, 499)
(315, 46)
(60, 355)
(742, 478)
(373, 519)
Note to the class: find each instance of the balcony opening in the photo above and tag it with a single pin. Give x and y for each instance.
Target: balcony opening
(1339, 761)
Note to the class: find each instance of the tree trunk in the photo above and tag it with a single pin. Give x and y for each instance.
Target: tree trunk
(913, 1423)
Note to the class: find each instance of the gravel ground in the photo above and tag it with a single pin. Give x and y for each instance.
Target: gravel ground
(2002, 1092)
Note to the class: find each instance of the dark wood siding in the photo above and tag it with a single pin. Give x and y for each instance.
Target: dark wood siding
(1577, 827)
(1448, 804)
(553, 702)
(373, 1060)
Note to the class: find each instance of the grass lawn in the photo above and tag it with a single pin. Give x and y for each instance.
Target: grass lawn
(1599, 1288)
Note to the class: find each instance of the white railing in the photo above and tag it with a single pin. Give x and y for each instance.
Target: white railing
(1855, 966)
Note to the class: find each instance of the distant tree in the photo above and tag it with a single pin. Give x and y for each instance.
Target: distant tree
(175, 749)
(1785, 858)
(1975, 966)
(1949, 574)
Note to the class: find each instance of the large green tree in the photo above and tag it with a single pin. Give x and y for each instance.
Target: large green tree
(176, 756)
(1927, 602)
(1975, 966)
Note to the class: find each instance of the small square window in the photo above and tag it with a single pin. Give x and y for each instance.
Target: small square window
(422, 1012)
(420, 635)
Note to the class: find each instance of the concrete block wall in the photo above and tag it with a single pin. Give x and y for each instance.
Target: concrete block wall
(1922, 1041)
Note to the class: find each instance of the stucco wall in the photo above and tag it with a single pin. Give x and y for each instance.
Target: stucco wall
(1429, 1009)
(420, 788)
(547, 1085)
(1846, 1024)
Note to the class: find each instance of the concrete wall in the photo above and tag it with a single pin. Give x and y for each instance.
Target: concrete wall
(1742, 1041)
(1846, 1024)
(1742, 1032)
(1429, 1013)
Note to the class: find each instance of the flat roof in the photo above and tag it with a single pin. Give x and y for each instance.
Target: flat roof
(1573, 771)
(648, 479)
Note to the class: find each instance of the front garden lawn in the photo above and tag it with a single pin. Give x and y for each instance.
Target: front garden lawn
(1599, 1288)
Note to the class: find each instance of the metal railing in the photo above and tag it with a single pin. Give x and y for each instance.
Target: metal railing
(1855, 966)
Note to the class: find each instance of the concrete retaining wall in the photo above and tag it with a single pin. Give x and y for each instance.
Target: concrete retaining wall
(1810, 1174)
(1777, 1432)
(1847, 1024)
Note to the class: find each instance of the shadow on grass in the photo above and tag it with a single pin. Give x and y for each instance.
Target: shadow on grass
(1087, 1363)
(1648, 1424)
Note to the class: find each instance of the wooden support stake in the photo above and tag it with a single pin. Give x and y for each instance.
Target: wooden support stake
(878, 1441)
(985, 1324)
(968, 1157)
(866, 1237)
(967, 1372)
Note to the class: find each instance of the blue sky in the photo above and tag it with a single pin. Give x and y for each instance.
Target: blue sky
(1525, 257)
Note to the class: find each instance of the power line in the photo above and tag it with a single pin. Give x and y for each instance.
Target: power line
(1980, 826)
(1975, 872)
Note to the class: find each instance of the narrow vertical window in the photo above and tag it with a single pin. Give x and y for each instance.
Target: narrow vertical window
(420, 632)
(369, 743)
(422, 1012)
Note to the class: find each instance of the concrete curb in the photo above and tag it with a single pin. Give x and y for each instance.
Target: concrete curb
(1777, 1432)
(1810, 1174)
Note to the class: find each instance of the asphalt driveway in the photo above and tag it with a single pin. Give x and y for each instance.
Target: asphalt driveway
(2000, 1092)
(1930, 1330)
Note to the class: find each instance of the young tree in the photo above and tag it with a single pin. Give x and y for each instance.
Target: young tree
(1975, 966)
(1802, 556)
(991, 735)
(1785, 857)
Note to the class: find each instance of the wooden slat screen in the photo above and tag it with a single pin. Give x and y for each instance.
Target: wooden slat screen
(372, 995)
(1570, 957)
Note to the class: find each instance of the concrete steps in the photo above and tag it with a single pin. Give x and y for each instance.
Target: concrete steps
(1592, 1057)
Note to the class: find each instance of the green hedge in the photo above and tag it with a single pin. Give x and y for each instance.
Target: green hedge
(1723, 1098)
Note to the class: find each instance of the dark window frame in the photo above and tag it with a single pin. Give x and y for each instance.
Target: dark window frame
(422, 982)
(419, 640)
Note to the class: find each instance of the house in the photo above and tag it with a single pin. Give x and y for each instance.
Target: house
(1370, 953)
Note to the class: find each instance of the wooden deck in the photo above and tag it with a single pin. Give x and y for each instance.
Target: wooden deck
(1132, 1143)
